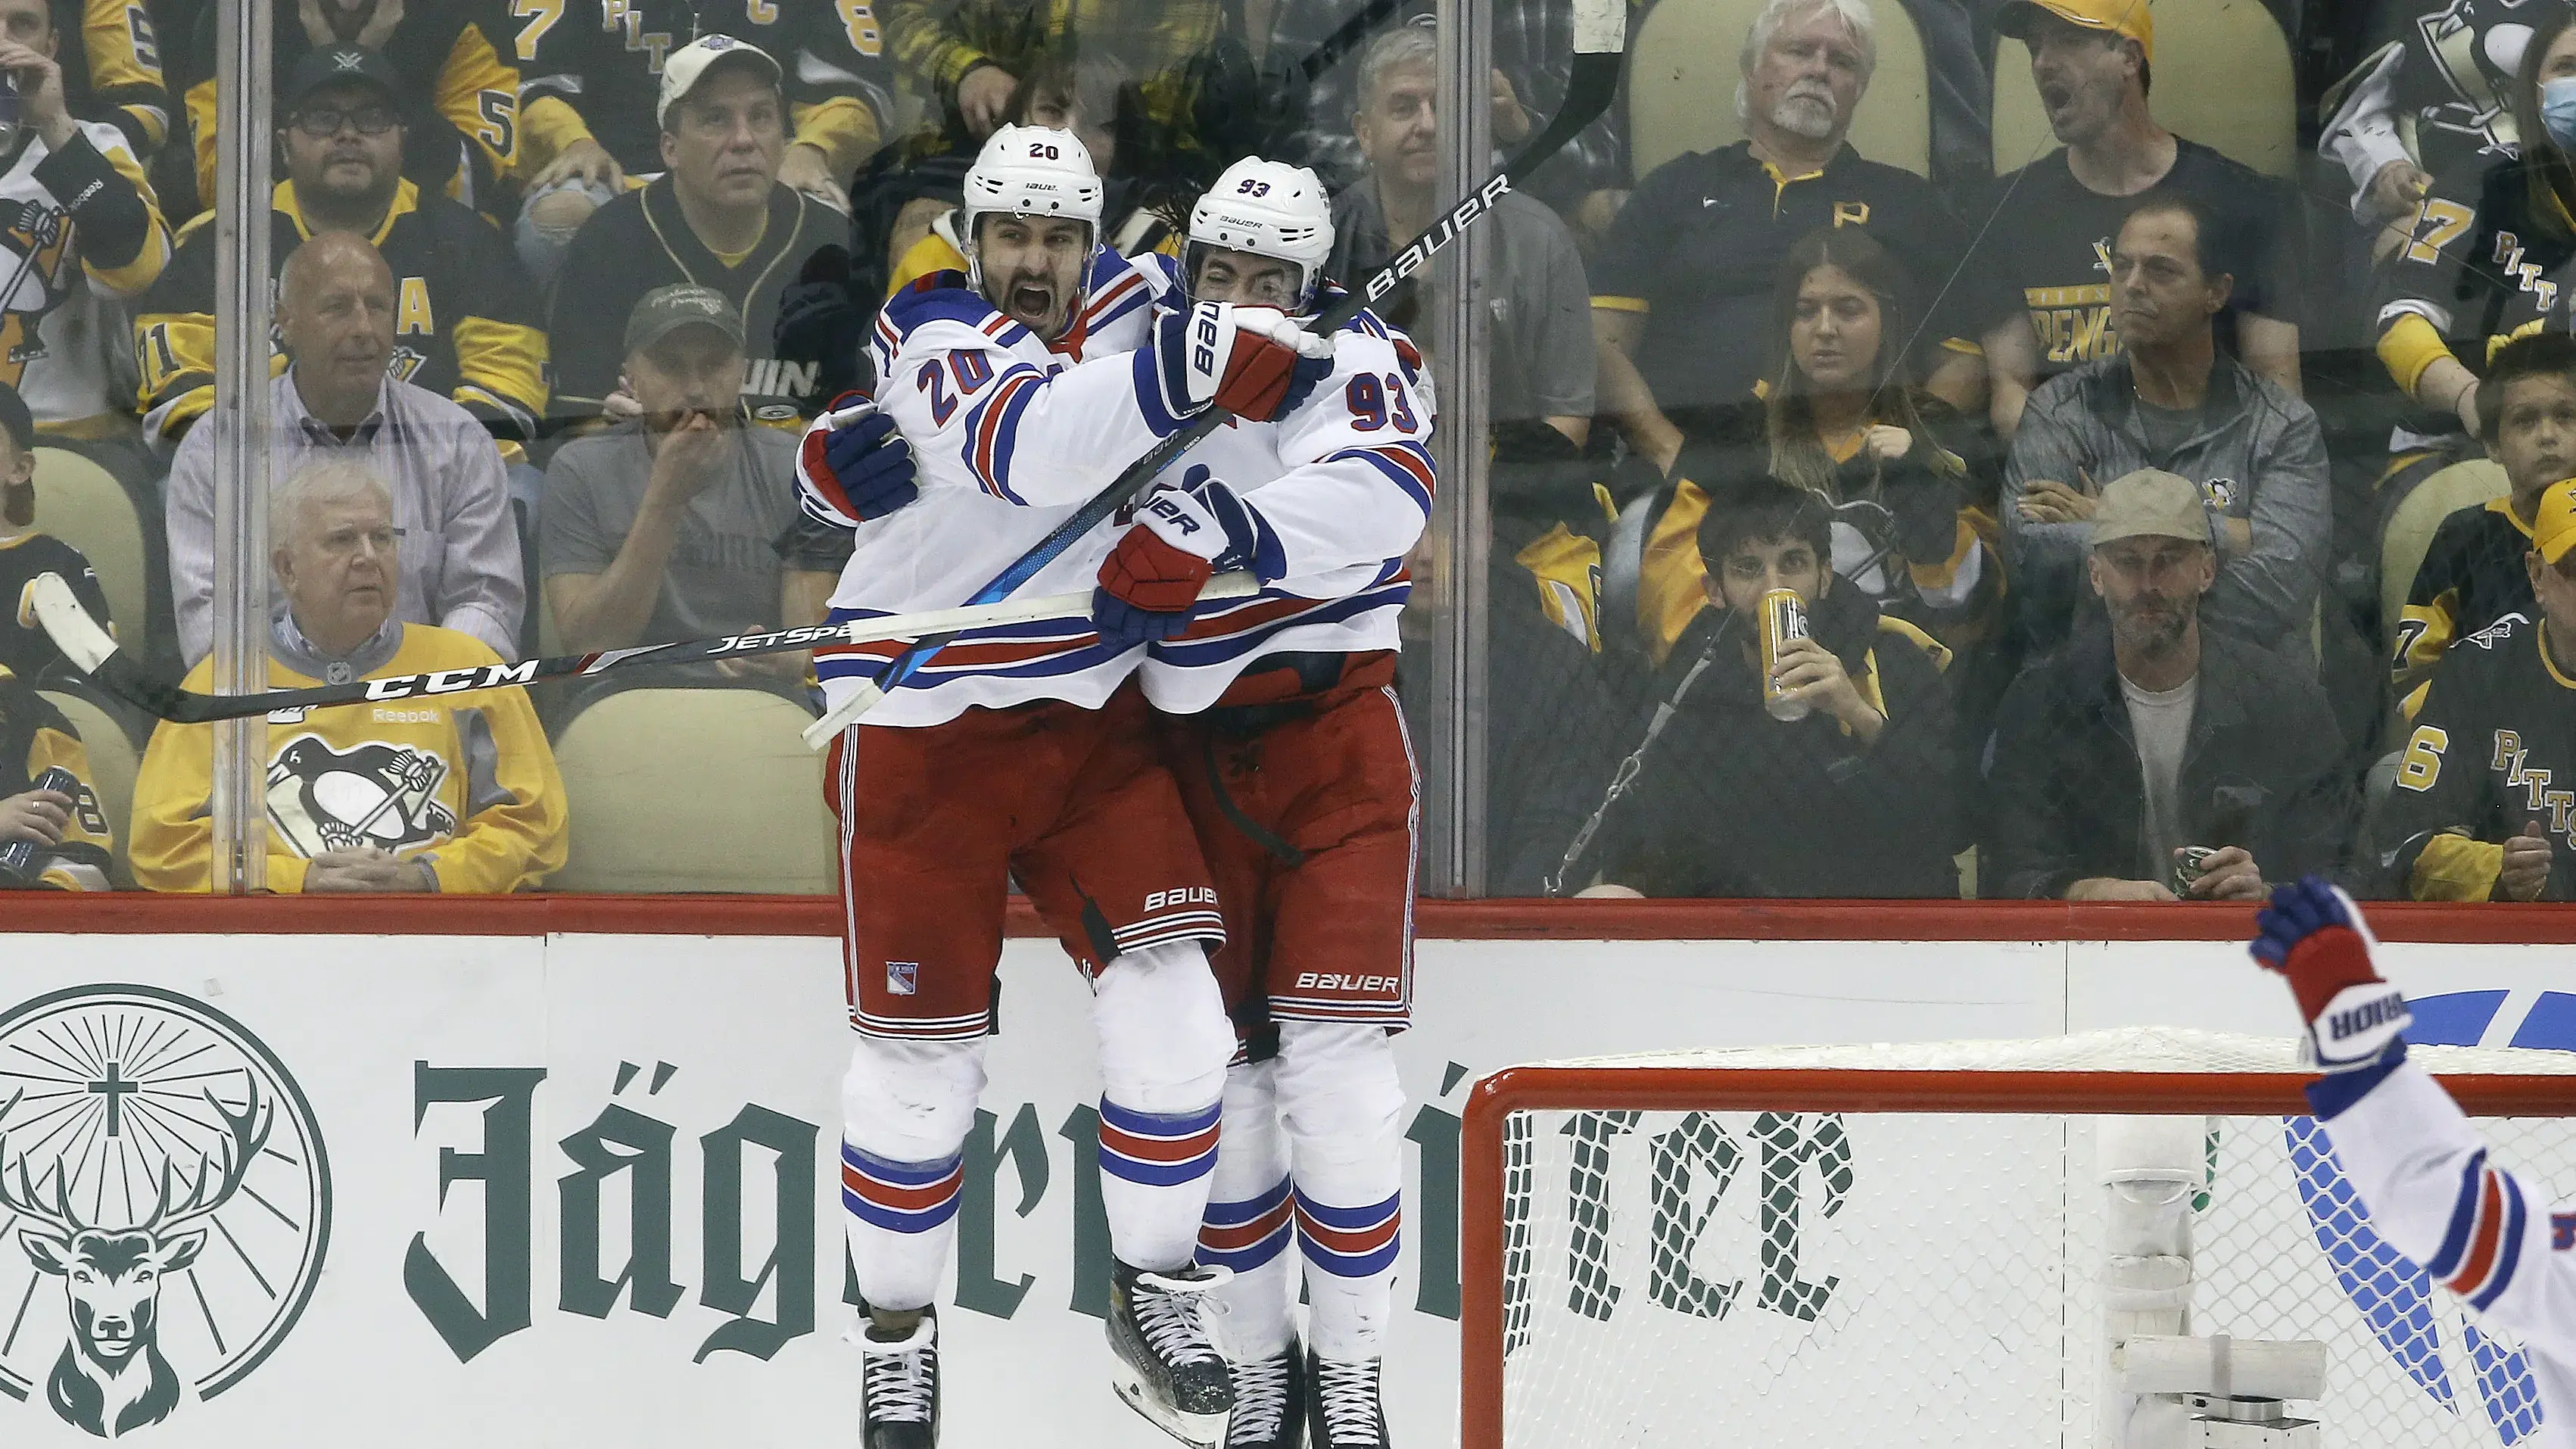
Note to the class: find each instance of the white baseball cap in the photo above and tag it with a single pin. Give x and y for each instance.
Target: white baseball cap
(690, 63)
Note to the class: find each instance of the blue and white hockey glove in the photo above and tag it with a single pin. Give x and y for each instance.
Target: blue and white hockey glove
(2314, 935)
(1182, 537)
(861, 470)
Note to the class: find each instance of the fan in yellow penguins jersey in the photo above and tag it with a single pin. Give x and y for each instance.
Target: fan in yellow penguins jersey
(79, 231)
(465, 322)
(457, 793)
(113, 72)
(67, 829)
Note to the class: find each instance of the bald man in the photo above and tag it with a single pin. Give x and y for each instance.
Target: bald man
(343, 398)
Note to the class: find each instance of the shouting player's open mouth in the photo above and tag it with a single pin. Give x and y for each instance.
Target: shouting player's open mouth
(1033, 303)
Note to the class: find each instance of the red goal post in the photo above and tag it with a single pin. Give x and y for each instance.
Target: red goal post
(2504, 1084)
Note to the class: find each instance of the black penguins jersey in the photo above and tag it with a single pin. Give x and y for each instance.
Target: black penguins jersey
(466, 322)
(2487, 261)
(2492, 752)
(34, 738)
(641, 241)
(2472, 575)
(26, 650)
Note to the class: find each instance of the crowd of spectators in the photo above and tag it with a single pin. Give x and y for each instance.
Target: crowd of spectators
(2089, 466)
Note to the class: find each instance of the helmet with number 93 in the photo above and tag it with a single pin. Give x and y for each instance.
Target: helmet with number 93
(1269, 209)
(1034, 171)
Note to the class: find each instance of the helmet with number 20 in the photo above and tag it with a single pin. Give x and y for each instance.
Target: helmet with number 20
(1270, 209)
(1029, 171)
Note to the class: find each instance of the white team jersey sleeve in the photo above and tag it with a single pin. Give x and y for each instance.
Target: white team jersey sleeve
(2431, 1190)
(1358, 480)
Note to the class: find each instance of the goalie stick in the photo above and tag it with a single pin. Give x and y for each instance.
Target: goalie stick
(1600, 44)
(94, 651)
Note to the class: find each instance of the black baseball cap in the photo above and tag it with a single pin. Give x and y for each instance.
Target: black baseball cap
(334, 64)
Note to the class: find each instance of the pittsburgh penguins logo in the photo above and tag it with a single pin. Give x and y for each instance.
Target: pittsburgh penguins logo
(374, 794)
(34, 249)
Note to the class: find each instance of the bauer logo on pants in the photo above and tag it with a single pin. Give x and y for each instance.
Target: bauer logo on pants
(172, 1198)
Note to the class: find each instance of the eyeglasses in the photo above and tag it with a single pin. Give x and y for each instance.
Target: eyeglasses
(322, 123)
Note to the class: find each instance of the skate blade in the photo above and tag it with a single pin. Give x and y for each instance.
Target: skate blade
(1199, 1431)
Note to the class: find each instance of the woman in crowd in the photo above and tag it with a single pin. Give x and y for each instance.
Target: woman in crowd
(1841, 416)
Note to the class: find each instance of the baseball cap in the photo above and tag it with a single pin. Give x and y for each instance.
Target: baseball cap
(2126, 18)
(691, 62)
(666, 310)
(2150, 503)
(2553, 532)
(332, 64)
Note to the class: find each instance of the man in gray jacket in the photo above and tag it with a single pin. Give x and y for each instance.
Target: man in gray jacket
(2171, 401)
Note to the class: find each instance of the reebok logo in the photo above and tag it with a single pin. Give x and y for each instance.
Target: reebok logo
(1343, 981)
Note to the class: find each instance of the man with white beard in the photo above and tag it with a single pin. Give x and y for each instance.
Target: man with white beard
(1682, 290)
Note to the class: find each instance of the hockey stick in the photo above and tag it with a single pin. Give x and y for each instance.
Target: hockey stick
(91, 649)
(1600, 44)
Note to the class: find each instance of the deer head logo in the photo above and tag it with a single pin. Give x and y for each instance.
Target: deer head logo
(165, 1205)
(112, 1376)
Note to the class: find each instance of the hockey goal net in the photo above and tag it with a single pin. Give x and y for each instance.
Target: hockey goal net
(1875, 1246)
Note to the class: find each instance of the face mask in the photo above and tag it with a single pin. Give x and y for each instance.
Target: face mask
(2558, 111)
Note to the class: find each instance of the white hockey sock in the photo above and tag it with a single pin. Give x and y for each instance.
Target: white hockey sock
(1249, 1220)
(1343, 1110)
(906, 1107)
(1164, 1043)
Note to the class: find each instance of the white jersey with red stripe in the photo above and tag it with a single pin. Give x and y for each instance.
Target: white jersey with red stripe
(2434, 1194)
(1339, 492)
(958, 377)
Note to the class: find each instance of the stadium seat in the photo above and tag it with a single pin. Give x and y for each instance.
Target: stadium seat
(1683, 71)
(747, 815)
(82, 504)
(2410, 526)
(2222, 77)
(112, 763)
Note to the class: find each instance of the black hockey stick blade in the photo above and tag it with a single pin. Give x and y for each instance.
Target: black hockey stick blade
(1600, 47)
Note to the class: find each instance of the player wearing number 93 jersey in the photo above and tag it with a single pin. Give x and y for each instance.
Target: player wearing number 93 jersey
(1280, 722)
(1023, 387)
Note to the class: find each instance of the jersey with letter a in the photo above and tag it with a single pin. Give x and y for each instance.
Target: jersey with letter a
(2492, 750)
(1339, 491)
(2437, 1197)
(1011, 436)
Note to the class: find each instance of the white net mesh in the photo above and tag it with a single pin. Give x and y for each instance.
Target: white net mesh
(1889, 1278)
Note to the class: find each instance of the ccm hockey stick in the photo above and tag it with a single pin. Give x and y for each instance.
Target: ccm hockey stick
(1600, 45)
(91, 649)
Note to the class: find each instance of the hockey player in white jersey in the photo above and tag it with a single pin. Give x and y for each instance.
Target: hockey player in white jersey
(1281, 725)
(2420, 1167)
(1023, 753)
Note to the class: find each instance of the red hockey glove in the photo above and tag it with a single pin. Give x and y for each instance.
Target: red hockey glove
(1150, 582)
(1251, 361)
(2314, 935)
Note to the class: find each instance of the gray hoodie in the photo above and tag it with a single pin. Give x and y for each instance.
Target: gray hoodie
(2259, 456)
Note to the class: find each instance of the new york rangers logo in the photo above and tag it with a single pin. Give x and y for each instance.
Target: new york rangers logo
(903, 978)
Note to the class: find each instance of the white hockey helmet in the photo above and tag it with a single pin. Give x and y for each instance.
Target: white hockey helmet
(1028, 171)
(1270, 209)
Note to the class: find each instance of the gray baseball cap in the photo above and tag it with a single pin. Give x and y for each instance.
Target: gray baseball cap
(2150, 503)
(666, 310)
